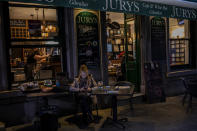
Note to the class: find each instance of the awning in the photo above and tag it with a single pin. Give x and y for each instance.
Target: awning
(126, 6)
(180, 3)
(191, 0)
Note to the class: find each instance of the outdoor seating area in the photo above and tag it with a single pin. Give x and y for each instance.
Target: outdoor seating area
(145, 117)
(114, 116)
(47, 113)
(98, 65)
(120, 89)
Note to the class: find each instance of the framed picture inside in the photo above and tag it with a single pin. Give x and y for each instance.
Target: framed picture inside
(118, 41)
(109, 47)
(116, 48)
(130, 48)
(121, 47)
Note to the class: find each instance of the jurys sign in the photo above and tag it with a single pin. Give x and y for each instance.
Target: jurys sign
(126, 6)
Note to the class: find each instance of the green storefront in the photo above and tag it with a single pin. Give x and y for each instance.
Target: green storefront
(132, 10)
(97, 33)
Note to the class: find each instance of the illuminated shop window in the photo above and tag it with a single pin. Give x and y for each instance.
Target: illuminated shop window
(35, 52)
(179, 42)
(33, 23)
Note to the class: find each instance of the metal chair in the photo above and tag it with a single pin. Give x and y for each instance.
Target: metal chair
(186, 90)
(123, 98)
(114, 120)
(191, 90)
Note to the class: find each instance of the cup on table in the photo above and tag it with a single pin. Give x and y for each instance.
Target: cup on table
(100, 83)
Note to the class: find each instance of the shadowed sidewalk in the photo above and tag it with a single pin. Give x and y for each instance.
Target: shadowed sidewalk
(168, 116)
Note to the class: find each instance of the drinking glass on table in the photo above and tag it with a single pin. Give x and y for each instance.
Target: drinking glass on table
(100, 83)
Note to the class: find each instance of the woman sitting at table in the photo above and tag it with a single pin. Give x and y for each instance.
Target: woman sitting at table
(83, 84)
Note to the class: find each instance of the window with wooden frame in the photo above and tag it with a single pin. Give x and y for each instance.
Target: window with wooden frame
(179, 44)
(34, 33)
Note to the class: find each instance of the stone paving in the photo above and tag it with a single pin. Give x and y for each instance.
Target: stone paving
(168, 116)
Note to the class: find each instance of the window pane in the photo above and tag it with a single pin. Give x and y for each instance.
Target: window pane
(179, 42)
(179, 52)
(178, 28)
(27, 64)
(33, 23)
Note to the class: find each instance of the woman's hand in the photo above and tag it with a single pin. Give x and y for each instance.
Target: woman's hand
(81, 89)
(74, 89)
(89, 89)
(85, 90)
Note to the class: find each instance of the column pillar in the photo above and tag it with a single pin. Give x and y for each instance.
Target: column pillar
(70, 41)
(145, 44)
(4, 56)
(104, 58)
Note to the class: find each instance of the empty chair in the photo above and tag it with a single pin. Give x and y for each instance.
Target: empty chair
(191, 90)
(121, 98)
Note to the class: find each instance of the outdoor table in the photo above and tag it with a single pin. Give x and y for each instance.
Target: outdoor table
(44, 95)
(114, 92)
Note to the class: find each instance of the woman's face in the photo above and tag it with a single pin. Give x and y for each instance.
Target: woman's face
(83, 74)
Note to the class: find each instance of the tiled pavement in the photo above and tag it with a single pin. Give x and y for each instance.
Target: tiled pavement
(168, 116)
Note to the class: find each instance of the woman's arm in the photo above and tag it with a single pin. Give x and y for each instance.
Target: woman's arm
(39, 57)
(74, 86)
(94, 82)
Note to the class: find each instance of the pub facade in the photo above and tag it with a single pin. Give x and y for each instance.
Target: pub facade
(119, 40)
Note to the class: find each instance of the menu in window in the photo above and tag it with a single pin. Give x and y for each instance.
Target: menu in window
(88, 40)
(158, 39)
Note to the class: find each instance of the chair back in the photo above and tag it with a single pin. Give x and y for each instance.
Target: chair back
(124, 83)
(184, 82)
(191, 86)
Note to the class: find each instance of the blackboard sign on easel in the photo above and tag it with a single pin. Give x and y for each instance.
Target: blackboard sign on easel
(153, 70)
(153, 77)
(158, 39)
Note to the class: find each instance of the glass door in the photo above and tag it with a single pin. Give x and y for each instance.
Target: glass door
(132, 58)
(122, 48)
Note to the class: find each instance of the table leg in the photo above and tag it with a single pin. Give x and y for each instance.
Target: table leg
(114, 107)
(114, 118)
(46, 101)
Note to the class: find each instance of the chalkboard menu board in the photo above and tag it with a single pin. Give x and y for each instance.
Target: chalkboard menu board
(158, 39)
(88, 39)
(153, 77)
